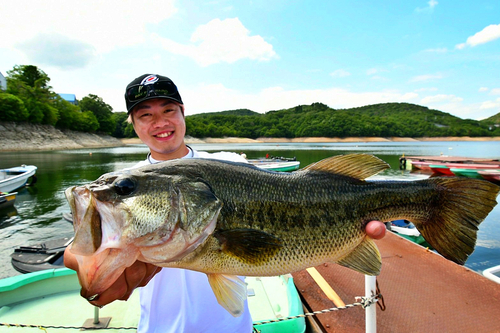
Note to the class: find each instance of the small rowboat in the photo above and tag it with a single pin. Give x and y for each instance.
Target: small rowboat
(493, 273)
(469, 173)
(426, 165)
(7, 199)
(441, 169)
(36, 300)
(14, 178)
(276, 165)
(491, 175)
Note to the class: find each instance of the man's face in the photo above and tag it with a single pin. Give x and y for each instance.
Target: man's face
(160, 124)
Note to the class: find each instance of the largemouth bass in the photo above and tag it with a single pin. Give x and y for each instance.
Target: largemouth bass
(228, 219)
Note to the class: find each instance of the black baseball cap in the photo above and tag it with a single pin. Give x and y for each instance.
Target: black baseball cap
(149, 86)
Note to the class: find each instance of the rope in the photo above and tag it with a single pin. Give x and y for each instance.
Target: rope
(44, 328)
(364, 303)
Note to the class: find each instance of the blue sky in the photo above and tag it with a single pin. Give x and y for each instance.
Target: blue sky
(266, 55)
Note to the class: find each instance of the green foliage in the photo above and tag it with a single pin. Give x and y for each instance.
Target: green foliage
(122, 129)
(31, 85)
(318, 120)
(29, 97)
(102, 111)
(87, 122)
(12, 108)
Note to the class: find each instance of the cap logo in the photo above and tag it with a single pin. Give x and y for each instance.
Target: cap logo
(150, 79)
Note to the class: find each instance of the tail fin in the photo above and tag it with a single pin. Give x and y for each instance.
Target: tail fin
(465, 203)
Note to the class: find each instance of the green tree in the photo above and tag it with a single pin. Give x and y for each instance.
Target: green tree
(87, 122)
(120, 119)
(68, 114)
(102, 111)
(31, 85)
(12, 108)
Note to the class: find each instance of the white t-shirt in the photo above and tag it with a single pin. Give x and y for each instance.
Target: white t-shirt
(179, 300)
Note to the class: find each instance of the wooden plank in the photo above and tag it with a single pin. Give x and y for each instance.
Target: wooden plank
(422, 292)
(325, 287)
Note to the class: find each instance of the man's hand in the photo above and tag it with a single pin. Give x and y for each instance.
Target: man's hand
(137, 275)
(375, 229)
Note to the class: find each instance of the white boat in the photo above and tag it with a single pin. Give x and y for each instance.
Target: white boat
(37, 299)
(493, 273)
(7, 199)
(277, 165)
(14, 178)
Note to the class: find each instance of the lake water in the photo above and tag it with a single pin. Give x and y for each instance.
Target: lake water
(37, 216)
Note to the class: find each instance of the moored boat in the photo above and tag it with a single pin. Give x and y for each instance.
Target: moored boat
(493, 273)
(407, 229)
(441, 169)
(37, 299)
(14, 178)
(491, 175)
(469, 173)
(7, 199)
(38, 257)
(276, 163)
(282, 166)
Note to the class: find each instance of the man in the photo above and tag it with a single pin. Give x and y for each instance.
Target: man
(176, 300)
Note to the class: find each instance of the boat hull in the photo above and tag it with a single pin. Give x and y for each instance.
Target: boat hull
(13, 178)
(278, 166)
(7, 200)
(38, 299)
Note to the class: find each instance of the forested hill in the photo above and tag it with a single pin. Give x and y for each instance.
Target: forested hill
(319, 120)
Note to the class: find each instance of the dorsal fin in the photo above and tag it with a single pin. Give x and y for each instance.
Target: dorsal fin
(359, 166)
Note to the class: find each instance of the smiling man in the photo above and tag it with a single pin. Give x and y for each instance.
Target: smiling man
(175, 300)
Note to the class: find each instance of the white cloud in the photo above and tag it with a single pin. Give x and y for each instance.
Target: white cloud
(490, 104)
(58, 51)
(495, 91)
(426, 89)
(483, 89)
(426, 77)
(486, 35)
(372, 71)
(441, 98)
(431, 4)
(340, 73)
(221, 41)
(104, 25)
(437, 50)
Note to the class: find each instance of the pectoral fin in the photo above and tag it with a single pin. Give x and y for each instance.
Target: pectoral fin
(365, 258)
(230, 292)
(249, 245)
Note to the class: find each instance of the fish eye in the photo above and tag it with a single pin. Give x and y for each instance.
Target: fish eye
(124, 186)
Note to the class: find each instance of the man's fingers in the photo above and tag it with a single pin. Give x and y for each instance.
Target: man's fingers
(375, 229)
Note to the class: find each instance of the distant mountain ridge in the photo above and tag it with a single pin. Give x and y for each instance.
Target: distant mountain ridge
(319, 120)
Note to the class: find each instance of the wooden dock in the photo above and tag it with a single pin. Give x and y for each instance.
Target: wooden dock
(422, 292)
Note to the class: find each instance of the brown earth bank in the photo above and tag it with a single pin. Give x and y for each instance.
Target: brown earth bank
(36, 137)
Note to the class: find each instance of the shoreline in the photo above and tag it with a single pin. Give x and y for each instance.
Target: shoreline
(17, 137)
(190, 140)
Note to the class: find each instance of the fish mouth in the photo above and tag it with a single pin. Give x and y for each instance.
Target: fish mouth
(101, 255)
(85, 233)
